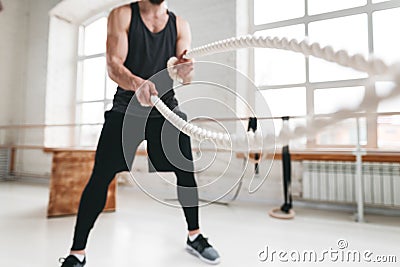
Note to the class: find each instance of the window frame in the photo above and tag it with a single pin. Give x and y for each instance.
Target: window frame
(369, 8)
(81, 57)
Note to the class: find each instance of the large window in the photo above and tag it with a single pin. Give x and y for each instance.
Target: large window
(95, 89)
(294, 85)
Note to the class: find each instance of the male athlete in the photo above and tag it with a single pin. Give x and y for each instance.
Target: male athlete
(141, 37)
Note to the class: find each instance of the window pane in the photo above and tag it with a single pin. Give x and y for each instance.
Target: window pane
(92, 112)
(343, 133)
(389, 132)
(293, 123)
(322, 6)
(266, 11)
(93, 79)
(389, 105)
(89, 135)
(386, 37)
(349, 33)
(111, 88)
(274, 67)
(331, 100)
(95, 37)
(286, 102)
(290, 32)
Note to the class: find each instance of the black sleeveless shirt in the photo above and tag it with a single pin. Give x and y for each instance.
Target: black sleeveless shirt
(148, 54)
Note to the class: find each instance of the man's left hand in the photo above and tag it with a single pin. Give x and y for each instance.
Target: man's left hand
(184, 68)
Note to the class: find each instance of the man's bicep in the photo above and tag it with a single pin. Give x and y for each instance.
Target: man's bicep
(117, 37)
(117, 48)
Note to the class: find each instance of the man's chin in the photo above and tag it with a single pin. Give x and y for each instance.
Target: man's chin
(156, 2)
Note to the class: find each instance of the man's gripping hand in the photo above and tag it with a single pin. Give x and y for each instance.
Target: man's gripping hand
(145, 90)
(184, 68)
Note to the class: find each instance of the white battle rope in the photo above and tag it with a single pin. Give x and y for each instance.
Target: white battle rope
(255, 141)
(251, 141)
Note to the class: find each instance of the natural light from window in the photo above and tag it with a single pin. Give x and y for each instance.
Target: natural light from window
(357, 26)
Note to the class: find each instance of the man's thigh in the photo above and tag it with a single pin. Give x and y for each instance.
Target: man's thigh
(168, 148)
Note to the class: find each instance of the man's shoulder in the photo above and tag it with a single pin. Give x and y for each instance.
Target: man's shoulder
(122, 10)
(181, 22)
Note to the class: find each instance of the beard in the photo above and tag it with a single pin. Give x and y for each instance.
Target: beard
(156, 2)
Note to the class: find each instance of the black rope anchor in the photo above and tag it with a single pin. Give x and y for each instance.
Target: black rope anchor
(285, 211)
(252, 126)
(287, 174)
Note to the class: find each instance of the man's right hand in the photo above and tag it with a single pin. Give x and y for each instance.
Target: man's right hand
(144, 91)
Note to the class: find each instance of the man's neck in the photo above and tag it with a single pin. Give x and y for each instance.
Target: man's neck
(148, 8)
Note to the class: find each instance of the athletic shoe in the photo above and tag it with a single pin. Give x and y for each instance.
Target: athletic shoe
(72, 261)
(202, 249)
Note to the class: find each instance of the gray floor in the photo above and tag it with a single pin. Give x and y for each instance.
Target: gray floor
(146, 233)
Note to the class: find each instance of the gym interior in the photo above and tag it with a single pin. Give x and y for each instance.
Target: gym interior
(318, 80)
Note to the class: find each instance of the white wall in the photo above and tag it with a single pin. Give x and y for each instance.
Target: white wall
(13, 44)
(36, 61)
(210, 21)
(24, 29)
(35, 161)
(61, 82)
(23, 67)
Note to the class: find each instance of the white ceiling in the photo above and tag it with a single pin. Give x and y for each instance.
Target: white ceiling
(78, 11)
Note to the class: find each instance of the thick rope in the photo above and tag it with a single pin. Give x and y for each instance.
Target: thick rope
(255, 141)
(222, 140)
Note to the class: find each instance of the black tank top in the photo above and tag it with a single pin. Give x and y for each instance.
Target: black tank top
(148, 54)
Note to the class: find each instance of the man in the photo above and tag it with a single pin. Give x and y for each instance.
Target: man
(141, 38)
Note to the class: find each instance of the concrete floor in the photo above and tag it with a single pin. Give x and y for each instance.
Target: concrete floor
(146, 233)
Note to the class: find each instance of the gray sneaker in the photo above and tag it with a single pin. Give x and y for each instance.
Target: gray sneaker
(202, 249)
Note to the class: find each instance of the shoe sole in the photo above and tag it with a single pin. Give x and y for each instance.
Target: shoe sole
(197, 254)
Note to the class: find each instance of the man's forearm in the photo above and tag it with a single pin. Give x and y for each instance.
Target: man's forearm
(123, 77)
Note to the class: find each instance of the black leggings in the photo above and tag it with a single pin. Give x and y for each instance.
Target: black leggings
(113, 156)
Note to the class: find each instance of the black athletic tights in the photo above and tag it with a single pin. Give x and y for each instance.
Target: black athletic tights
(110, 160)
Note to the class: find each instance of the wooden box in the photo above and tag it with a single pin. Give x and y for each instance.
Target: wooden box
(71, 170)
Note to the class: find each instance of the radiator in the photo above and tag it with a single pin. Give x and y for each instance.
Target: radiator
(5, 156)
(333, 181)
